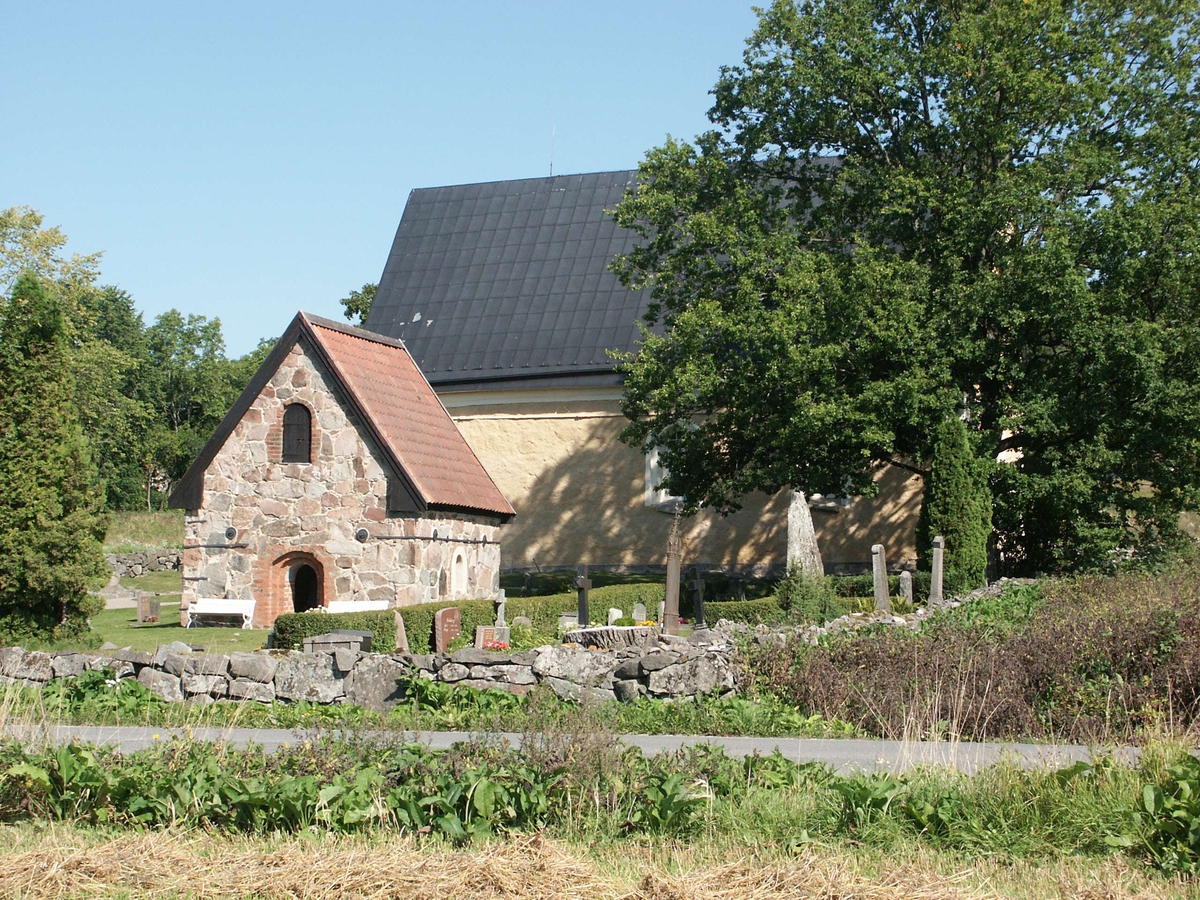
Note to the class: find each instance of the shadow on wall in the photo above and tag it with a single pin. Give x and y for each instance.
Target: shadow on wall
(588, 507)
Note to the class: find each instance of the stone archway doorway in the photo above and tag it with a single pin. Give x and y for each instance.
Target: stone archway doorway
(306, 587)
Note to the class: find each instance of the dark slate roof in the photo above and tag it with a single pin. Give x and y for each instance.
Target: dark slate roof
(487, 283)
(379, 381)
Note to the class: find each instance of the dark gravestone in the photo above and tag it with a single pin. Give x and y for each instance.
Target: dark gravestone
(698, 597)
(583, 584)
(447, 625)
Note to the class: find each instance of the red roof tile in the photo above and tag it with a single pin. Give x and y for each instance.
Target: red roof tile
(407, 417)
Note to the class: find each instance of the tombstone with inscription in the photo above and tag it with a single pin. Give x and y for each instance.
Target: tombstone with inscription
(639, 612)
(148, 607)
(447, 625)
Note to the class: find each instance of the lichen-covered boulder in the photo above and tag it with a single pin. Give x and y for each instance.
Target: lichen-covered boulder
(309, 676)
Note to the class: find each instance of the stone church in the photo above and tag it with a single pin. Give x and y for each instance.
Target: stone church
(337, 480)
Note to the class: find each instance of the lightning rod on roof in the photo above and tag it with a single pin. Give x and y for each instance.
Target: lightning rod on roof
(552, 127)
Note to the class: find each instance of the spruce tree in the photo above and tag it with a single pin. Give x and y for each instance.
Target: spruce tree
(51, 519)
(957, 506)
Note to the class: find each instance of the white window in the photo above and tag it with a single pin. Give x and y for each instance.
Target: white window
(658, 497)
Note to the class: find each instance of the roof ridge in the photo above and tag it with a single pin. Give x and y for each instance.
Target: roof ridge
(352, 330)
(440, 187)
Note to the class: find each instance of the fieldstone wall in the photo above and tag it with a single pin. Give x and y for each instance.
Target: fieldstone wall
(126, 565)
(288, 514)
(671, 668)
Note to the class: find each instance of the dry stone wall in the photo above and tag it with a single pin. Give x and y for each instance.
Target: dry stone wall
(143, 562)
(283, 515)
(669, 669)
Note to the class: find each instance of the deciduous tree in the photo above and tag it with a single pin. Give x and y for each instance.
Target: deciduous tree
(904, 204)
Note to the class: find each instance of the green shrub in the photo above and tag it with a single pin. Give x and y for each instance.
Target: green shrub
(766, 611)
(542, 611)
(292, 628)
(810, 600)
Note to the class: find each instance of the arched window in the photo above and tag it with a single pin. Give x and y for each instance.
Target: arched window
(297, 434)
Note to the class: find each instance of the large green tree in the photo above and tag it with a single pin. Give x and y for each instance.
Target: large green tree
(906, 205)
(51, 519)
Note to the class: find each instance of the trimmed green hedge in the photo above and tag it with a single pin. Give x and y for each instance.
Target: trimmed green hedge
(752, 612)
(864, 585)
(292, 628)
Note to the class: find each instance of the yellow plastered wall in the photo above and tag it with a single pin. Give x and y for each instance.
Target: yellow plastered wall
(579, 493)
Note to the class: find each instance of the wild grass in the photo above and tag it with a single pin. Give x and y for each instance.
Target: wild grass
(695, 818)
(71, 862)
(1089, 659)
(132, 532)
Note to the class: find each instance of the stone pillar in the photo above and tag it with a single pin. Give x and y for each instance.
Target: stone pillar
(803, 554)
(674, 551)
(883, 598)
(906, 589)
(935, 581)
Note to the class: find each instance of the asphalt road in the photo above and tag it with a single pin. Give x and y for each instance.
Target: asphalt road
(843, 755)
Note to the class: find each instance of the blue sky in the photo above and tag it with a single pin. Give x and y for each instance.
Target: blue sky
(248, 160)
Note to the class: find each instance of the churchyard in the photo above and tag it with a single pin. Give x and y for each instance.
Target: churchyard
(570, 807)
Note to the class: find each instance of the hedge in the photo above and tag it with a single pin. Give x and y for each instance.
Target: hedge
(864, 585)
(752, 612)
(292, 628)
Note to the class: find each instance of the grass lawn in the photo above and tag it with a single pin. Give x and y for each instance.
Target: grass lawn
(120, 626)
(155, 582)
(130, 532)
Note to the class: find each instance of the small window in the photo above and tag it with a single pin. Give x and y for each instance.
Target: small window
(297, 434)
(657, 496)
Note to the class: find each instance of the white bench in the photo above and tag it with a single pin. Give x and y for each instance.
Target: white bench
(345, 606)
(220, 606)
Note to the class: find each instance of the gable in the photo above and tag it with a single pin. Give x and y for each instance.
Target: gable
(379, 386)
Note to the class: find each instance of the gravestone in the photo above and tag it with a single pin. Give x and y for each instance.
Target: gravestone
(401, 634)
(583, 584)
(522, 622)
(148, 607)
(614, 614)
(906, 589)
(501, 602)
(662, 611)
(698, 597)
(674, 551)
(639, 612)
(447, 625)
(737, 588)
(883, 597)
(935, 581)
(487, 636)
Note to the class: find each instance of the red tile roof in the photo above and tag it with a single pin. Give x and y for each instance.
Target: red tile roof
(407, 417)
(397, 406)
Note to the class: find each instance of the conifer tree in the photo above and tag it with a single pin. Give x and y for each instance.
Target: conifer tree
(51, 520)
(957, 506)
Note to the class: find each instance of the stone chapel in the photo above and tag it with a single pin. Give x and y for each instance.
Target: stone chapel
(337, 481)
